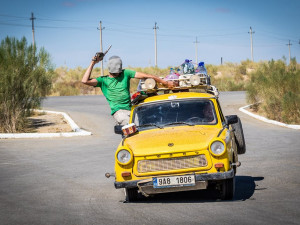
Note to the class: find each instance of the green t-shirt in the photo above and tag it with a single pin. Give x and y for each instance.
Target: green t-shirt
(116, 90)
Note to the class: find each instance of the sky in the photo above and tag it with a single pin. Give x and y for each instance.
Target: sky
(67, 29)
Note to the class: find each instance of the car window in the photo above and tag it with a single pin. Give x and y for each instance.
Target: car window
(175, 112)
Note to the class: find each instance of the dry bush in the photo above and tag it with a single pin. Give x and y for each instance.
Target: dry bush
(277, 88)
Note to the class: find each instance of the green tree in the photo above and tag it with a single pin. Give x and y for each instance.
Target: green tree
(25, 78)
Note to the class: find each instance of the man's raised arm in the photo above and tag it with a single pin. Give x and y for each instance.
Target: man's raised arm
(86, 77)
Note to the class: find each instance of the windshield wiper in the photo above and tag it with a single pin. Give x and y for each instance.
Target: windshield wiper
(150, 125)
(175, 123)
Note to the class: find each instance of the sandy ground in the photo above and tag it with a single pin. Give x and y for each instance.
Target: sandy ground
(48, 123)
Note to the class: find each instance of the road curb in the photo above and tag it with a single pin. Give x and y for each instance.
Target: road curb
(243, 109)
(76, 130)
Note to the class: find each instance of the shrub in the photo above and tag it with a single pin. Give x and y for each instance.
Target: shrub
(211, 69)
(25, 78)
(67, 82)
(277, 87)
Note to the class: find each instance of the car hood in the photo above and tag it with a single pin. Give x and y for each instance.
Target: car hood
(171, 139)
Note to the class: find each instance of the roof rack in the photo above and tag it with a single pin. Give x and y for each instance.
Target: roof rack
(149, 87)
(184, 82)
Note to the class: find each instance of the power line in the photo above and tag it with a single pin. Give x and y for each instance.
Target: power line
(16, 25)
(128, 32)
(184, 29)
(126, 25)
(123, 25)
(21, 17)
(57, 20)
(281, 36)
(280, 39)
(11, 19)
(164, 34)
(50, 27)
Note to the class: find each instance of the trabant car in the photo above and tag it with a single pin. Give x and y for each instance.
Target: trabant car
(178, 142)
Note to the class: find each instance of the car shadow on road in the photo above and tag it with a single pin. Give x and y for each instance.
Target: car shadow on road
(245, 187)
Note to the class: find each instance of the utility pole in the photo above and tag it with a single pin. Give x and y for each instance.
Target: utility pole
(32, 18)
(289, 44)
(101, 47)
(251, 32)
(196, 42)
(155, 38)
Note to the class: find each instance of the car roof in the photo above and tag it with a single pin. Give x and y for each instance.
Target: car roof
(179, 95)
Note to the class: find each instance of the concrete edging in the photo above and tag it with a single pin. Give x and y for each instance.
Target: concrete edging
(243, 109)
(76, 130)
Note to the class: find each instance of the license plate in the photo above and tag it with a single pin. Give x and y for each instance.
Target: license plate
(174, 181)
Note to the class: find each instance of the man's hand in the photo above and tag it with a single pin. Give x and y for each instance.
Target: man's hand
(98, 57)
(170, 84)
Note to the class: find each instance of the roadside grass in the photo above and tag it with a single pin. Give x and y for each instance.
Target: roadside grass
(67, 82)
(274, 89)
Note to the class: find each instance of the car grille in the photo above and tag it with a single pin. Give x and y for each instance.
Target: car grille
(155, 165)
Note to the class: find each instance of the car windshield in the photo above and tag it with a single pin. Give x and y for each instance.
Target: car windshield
(175, 113)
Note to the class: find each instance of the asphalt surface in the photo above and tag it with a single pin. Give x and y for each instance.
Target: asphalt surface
(61, 180)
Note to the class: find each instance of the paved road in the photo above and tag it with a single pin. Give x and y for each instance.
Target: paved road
(61, 180)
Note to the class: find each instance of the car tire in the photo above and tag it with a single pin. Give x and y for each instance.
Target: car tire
(131, 194)
(228, 189)
(239, 137)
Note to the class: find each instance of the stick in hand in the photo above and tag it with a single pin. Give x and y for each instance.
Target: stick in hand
(100, 55)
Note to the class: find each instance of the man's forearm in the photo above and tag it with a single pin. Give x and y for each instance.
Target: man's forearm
(159, 80)
(144, 75)
(169, 84)
(87, 74)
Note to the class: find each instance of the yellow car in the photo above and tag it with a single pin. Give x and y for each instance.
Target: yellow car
(178, 142)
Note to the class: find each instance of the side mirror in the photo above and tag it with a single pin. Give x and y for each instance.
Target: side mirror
(118, 129)
(231, 119)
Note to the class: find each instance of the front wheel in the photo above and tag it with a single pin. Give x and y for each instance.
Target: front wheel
(131, 194)
(239, 137)
(228, 188)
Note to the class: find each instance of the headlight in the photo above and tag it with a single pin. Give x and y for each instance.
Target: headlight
(217, 147)
(195, 80)
(150, 83)
(124, 156)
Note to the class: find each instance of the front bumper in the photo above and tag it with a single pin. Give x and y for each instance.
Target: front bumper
(198, 177)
